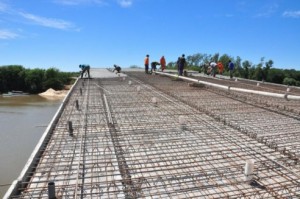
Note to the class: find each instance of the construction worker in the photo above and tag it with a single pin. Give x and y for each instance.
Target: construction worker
(85, 69)
(213, 66)
(117, 68)
(220, 68)
(182, 64)
(146, 61)
(177, 64)
(153, 66)
(163, 63)
(231, 68)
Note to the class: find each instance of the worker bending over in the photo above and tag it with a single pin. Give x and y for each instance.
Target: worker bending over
(117, 68)
(85, 69)
(153, 66)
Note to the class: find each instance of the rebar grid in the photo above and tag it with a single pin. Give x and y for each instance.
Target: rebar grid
(128, 143)
(282, 104)
(248, 116)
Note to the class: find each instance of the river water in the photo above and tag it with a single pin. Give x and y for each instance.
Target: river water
(23, 120)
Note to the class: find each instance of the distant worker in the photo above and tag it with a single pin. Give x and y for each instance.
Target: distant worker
(85, 69)
(153, 66)
(231, 68)
(177, 64)
(213, 66)
(163, 63)
(220, 68)
(182, 63)
(117, 68)
(146, 61)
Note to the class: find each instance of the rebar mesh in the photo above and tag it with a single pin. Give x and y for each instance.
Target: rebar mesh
(166, 140)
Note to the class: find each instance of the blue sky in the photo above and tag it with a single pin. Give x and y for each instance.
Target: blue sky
(66, 33)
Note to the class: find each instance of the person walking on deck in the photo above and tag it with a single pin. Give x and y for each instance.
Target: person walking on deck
(163, 63)
(181, 64)
(220, 68)
(146, 61)
(231, 68)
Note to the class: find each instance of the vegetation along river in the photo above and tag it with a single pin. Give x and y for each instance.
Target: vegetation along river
(23, 120)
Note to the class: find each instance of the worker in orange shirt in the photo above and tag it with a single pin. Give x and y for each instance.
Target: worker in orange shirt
(146, 64)
(163, 63)
(220, 68)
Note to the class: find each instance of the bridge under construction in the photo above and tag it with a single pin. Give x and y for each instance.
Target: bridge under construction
(135, 135)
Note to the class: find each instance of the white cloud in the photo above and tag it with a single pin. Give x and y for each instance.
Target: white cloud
(5, 34)
(292, 14)
(125, 3)
(122, 3)
(79, 2)
(268, 10)
(4, 8)
(47, 22)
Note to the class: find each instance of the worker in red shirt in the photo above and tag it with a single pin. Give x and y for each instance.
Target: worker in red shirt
(163, 63)
(146, 61)
(220, 68)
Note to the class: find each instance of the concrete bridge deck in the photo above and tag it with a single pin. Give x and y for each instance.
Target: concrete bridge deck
(149, 136)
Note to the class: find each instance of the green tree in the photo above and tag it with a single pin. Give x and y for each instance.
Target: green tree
(246, 66)
(34, 80)
(15, 77)
(290, 81)
(194, 60)
(12, 78)
(172, 65)
(215, 57)
(51, 73)
(53, 79)
(238, 67)
(266, 69)
(276, 76)
(258, 75)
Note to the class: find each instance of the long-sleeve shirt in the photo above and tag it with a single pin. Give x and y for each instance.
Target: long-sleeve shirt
(147, 61)
(162, 61)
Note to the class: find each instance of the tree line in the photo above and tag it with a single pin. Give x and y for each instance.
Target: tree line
(16, 77)
(262, 71)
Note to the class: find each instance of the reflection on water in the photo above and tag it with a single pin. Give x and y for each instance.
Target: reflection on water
(23, 120)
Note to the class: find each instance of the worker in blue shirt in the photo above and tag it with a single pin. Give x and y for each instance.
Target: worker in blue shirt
(117, 68)
(181, 64)
(85, 69)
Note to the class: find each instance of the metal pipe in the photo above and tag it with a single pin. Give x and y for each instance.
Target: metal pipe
(270, 94)
(258, 92)
(70, 128)
(51, 190)
(77, 104)
(292, 97)
(249, 168)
